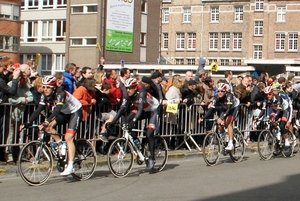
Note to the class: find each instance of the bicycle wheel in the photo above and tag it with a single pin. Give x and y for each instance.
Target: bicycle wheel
(296, 142)
(85, 161)
(265, 145)
(161, 153)
(238, 152)
(211, 149)
(35, 163)
(287, 151)
(120, 157)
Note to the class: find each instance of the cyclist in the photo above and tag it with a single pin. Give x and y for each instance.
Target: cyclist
(227, 107)
(143, 106)
(65, 109)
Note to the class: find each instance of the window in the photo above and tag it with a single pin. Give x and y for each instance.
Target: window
(33, 4)
(1, 42)
(179, 61)
(238, 14)
(15, 44)
(60, 30)
(237, 41)
(47, 30)
(5, 11)
(179, 41)
(224, 62)
(187, 15)
(257, 53)
(279, 41)
(83, 41)
(144, 7)
(47, 3)
(236, 62)
(91, 41)
(165, 40)
(212, 60)
(76, 41)
(84, 9)
(46, 64)
(258, 28)
(213, 41)
(32, 31)
(143, 39)
(191, 40)
(281, 10)
(60, 62)
(9, 43)
(214, 15)
(61, 3)
(6, 42)
(259, 5)
(16, 13)
(225, 38)
(293, 41)
(166, 13)
(191, 61)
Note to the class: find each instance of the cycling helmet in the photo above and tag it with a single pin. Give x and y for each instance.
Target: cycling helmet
(131, 82)
(276, 86)
(222, 87)
(49, 80)
(268, 90)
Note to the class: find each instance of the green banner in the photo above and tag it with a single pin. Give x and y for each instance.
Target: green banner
(120, 41)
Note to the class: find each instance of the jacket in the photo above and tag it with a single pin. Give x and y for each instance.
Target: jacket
(115, 93)
(85, 98)
(69, 82)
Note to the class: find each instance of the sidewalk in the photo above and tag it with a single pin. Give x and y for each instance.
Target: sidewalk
(12, 170)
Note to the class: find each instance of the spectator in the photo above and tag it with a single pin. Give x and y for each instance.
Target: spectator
(7, 64)
(60, 79)
(37, 90)
(69, 82)
(31, 64)
(87, 96)
(20, 99)
(77, 76)
(164, 84)
(291, 78)
(208, 86)
(124, 75)
(86, 73)
(101, 63)
(157, 90)
(115, 90)
(99, 78)
(202, 76)
(189, 93)
(188, 77)
(228, 77)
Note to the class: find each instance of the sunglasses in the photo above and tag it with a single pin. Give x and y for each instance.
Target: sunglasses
(47, 87)
(221, 91)
(130, 88)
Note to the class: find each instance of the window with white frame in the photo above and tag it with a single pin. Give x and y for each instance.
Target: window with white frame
(9, 43)
(47, 30)
(47, 3)
(82, 9)
(258, 28)
(186, 14)
(179, 41)
(15, 43)
(257, 52)
(61, 3)
(83, 41)
(165, 41)
(236, 62)
(32, 31)
(238, 13)
(212, 60)
(9, 12)
(191, 41)
(46, 64)
(143, 39)
(225, 39)
(224, 62)
(144, 7)
(60, 62)
(213, 41)
(279, 41)
(191, 61)
(60, 30)
(166, 14)
(259, 5)
(179, 61)
(281, 11)
(237, 41)
(33, 4)
(214, 14)
(293, 41)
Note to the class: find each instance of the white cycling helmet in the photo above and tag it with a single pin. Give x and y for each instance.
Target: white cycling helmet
(131, 82)
(222, 87)
(49, 80)
(268, 90)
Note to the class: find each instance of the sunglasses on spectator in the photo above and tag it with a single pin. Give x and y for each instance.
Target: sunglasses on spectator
(47, 87)
(221, 91)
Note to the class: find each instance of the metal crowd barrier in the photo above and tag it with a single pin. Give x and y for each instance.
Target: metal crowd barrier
(182, 126)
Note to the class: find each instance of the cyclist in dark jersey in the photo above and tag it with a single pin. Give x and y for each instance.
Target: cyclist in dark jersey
(227, 107)
(144, 106)
(65, 109)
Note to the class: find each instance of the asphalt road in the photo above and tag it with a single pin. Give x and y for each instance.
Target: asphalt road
(182, 179)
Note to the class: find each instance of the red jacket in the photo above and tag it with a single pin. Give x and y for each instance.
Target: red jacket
(85, 98)
(115, 93)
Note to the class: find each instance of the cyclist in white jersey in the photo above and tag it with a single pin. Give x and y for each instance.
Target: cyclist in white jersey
(64, 109)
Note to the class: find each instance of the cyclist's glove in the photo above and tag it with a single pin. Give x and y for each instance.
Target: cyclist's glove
(26, 125)
(45, 124)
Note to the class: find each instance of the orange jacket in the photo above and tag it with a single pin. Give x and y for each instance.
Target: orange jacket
(85, 98)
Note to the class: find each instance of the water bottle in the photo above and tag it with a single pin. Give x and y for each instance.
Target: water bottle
(54, 145)
(278, 135)
(63, 149)
(221, 135)
(137, 143)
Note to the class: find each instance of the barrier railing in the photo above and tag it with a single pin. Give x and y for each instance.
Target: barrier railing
(182, 126)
